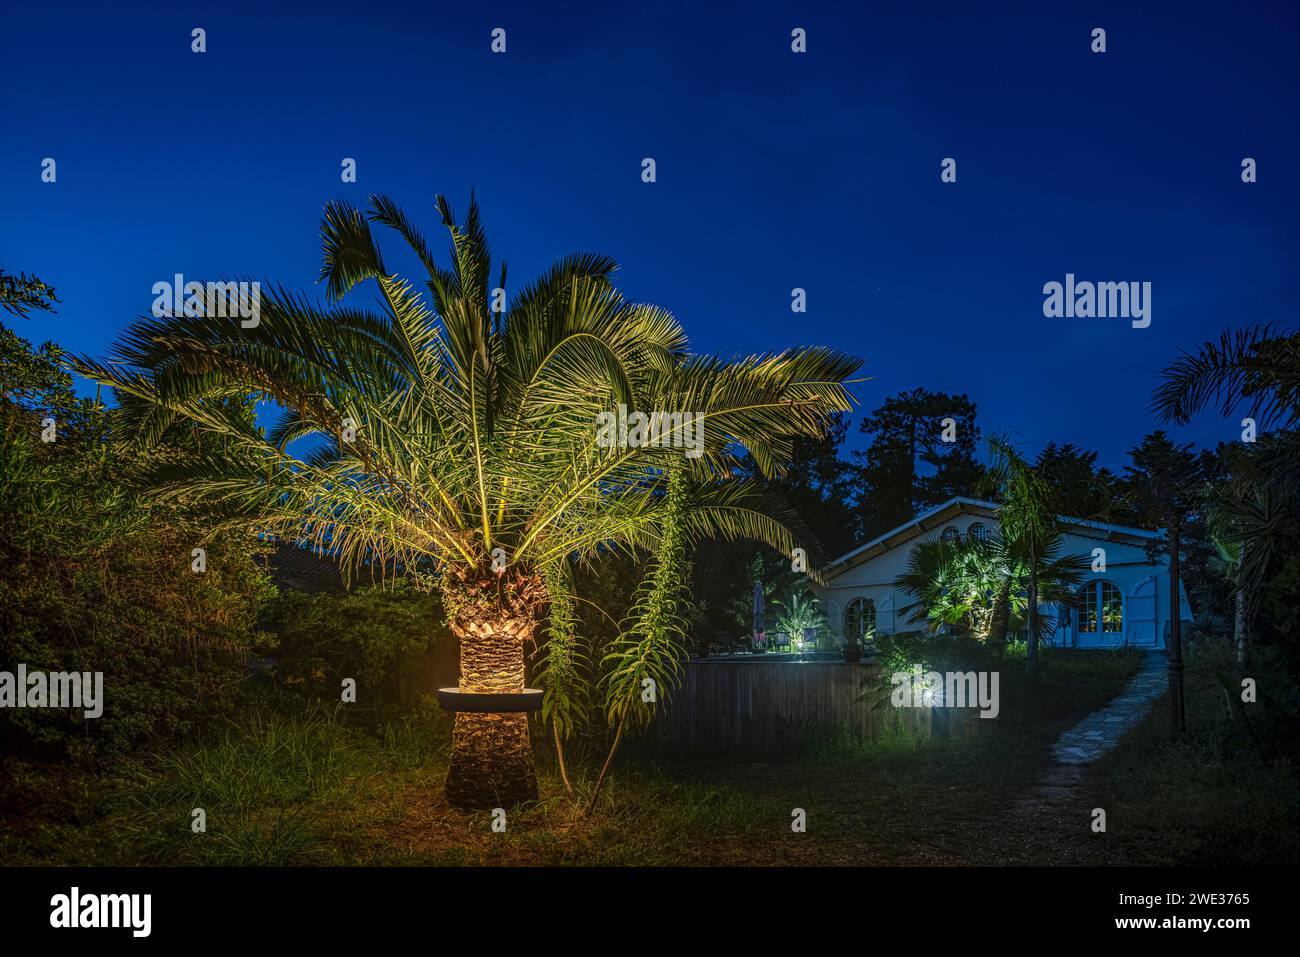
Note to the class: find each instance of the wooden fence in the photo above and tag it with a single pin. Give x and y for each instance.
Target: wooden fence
(771, 705)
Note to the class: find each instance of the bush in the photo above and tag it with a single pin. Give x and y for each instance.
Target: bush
(1068, 683)
(96, 579)
(380, 636)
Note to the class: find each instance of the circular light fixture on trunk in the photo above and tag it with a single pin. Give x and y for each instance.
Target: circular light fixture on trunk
(490, 702)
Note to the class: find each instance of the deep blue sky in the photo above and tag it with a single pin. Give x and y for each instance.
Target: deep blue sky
(775, 170)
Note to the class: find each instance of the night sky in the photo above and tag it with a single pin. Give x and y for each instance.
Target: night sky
(775, 170)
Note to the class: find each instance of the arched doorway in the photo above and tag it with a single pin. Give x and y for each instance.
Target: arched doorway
(1099, 618)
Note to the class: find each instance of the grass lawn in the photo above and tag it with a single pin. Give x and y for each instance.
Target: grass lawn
(321, 788)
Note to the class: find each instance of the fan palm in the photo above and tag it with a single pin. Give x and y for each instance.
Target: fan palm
(982, 585)
(455, 436)
(934, 577)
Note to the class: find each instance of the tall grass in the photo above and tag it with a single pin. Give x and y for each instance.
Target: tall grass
(1228, 791)
(286, 785)
(268, 786)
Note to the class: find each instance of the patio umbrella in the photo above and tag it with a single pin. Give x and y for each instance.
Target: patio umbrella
(760, 631)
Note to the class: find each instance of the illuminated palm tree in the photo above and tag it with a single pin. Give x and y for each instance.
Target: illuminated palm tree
(982, 585)
(456, 438)
(937, 577)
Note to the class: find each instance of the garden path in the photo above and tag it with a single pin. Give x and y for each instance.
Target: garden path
(1100, 731)
(1049, 815)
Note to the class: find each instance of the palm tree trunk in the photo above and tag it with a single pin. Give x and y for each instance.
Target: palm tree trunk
(491, 753)
(1239, 624)
(1177, 721)
(1031, 614)
(1241, 618)
(1001, 622)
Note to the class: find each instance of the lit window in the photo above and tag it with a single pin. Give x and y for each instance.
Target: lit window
(859, 619)
(1112, 608)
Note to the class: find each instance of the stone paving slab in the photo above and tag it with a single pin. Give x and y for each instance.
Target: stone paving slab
(1100, 731)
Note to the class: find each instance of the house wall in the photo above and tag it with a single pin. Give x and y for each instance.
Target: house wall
(1144, 586)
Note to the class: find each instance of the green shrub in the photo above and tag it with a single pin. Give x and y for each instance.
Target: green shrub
(96, 579)
(379, 636)
(1069, 680)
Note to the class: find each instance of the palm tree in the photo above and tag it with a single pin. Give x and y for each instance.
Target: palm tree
(981, 585)
(1245, 529)
(1029, 525)
(799, 612)
(1257, 371)
(456, 438)
(937, 576)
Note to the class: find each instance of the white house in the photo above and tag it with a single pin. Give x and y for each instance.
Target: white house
(1126, 604)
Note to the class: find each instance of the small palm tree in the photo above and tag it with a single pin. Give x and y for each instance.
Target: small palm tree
(935, 578)
(800, 611)
(1166, 487)
(456, 437)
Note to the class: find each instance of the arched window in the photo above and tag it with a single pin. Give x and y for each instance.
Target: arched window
(950, 534)
(979, 531)
(859, 619)
(1101, 610)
